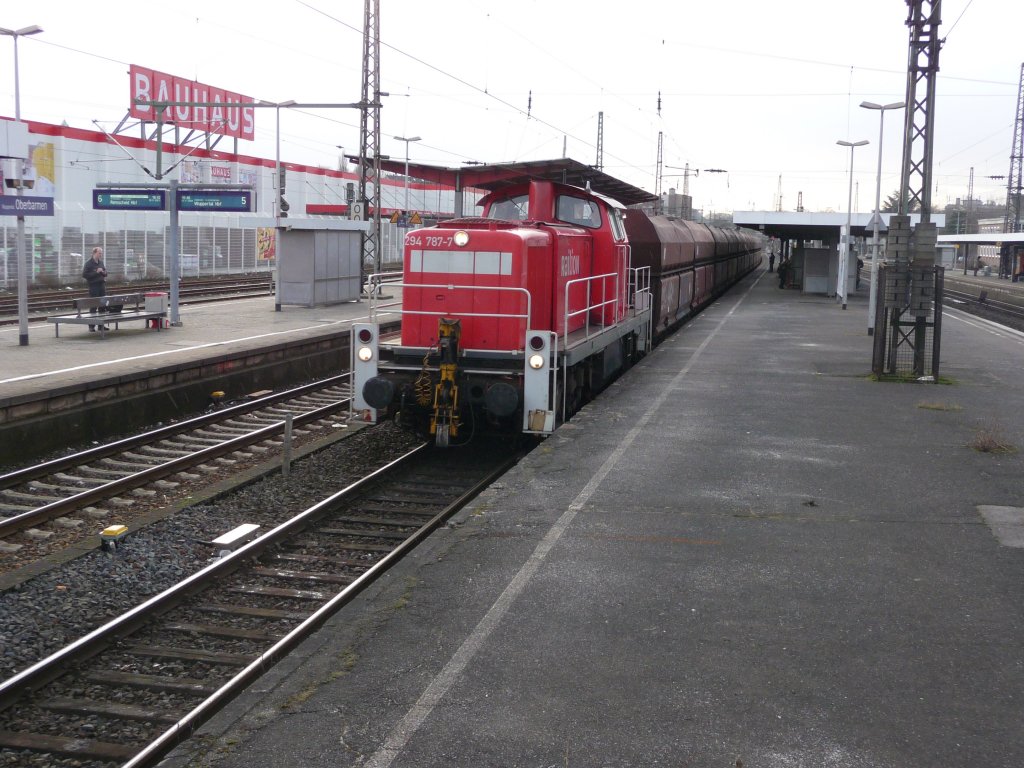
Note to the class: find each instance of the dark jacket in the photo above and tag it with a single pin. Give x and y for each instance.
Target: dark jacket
(91, 271)
(95, 274)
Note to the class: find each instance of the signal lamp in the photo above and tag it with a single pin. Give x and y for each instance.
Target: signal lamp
(365, 354)
(365, 336)
(536, 362)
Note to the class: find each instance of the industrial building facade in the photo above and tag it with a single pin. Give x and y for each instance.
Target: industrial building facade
(67, 164)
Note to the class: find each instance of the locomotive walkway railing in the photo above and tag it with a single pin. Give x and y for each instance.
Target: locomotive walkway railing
(377, 283)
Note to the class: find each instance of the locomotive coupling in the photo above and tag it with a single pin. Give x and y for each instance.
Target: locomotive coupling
(445, 422)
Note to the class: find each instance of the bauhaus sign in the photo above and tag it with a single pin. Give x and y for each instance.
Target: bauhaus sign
(150, 85)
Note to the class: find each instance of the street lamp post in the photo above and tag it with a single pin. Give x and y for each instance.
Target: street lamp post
(844, 259)
(877, 218)
(280, 204)
(19, 177)
(407, 142)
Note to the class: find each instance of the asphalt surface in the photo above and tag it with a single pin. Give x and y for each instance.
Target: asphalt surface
(746, 552)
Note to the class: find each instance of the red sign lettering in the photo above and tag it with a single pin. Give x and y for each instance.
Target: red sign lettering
(220, 117)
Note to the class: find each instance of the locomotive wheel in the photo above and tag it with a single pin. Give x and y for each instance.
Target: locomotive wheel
(441, 438)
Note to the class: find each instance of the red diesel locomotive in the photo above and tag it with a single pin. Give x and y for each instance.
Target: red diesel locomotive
(512, 320)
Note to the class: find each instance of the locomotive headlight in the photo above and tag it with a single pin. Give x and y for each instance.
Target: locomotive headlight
(461, 238)
(365, 354)
(536, 362)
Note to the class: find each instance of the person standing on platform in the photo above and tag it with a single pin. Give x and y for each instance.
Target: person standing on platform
(95, 274)
(783, 273)
(771, 261)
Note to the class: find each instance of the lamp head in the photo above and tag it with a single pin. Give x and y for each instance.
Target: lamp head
(883, 107)
(35, 29)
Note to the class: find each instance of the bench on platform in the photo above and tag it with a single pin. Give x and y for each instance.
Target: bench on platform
(112, 310)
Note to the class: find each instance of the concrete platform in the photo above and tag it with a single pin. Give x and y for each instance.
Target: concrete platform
(82, 387)
(79, 356)
(745, 553)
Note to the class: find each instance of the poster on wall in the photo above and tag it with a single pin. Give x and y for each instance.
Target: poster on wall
(38, 171)
(266, 243)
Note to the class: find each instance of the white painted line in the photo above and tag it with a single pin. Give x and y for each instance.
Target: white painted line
(322, 324)
(400, 735)
(981, 324)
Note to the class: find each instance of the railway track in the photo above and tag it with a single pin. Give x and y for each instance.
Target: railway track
(997, 310)
(159, 670)
(45, 507)
(44, 303)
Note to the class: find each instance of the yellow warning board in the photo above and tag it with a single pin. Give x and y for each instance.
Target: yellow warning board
(394, 217)
(415, 218)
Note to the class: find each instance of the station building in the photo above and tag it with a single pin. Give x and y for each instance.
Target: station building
(67, 164)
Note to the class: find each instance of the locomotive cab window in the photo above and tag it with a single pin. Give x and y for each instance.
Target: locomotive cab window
(618, 225)
(512, 209)
(576, 210)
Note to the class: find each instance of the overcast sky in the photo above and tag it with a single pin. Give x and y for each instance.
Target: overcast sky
(760, 89)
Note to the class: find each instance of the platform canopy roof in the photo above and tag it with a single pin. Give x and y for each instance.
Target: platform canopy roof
(825, 226)
(492, 177)
(985, 238)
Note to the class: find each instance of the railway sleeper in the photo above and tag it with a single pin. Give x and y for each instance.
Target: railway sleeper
(106, 474)
(252, 611)
(184, 685)
(222, 435)
(190, 654)
(60, 745)
(111, 710)
(374, 520)
(32, 498)
(143, 461)
(136, 465)
(217, 630)
(92, 482)
(171, 453)
(295, 594)
(365, 533)
(312, 576)
(64, 490)
(349, 545)
(417, 510)
(191, 440)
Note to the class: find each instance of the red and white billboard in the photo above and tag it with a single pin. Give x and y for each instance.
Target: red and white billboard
(220, 117)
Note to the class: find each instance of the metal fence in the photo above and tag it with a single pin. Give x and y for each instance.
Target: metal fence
(136, 248)
(908, 322)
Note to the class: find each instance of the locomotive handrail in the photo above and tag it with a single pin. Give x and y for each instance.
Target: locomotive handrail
(590, 307)
(454, 287)
(640, 281)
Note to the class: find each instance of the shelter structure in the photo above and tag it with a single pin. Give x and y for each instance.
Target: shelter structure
(811, 242)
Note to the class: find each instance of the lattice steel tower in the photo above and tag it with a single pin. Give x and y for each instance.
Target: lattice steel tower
(369, 135)
(912, 283)
(1012, 220)
(915, 183)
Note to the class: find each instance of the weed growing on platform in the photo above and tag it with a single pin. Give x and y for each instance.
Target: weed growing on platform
(937, 406)
(990, 440)
(887, 378)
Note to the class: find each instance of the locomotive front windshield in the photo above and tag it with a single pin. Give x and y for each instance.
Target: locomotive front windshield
(510, 209)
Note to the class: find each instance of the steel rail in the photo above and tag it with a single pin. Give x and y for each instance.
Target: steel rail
(46, 670)
(63, 506)
(26, 474)
(157, 749)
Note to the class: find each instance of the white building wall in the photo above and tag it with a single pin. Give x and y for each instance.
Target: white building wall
(69, 163)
